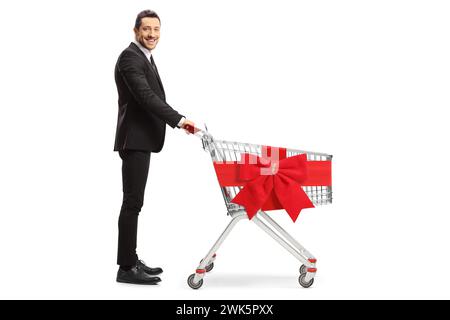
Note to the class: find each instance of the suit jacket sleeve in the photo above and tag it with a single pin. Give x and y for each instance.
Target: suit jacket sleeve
(132, 70)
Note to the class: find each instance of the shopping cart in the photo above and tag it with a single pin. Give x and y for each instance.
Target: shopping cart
(229, 155)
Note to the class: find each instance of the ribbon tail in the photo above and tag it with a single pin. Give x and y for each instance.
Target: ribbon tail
(254, 194)
(292, 197)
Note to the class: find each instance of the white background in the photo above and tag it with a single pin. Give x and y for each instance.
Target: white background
(367, 81)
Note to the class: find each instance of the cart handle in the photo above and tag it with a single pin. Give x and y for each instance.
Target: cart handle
(206, 137)
(191, 129)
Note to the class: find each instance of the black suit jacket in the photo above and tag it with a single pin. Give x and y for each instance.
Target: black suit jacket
(143, 111)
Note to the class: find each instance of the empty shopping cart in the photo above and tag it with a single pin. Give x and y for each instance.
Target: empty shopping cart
(228, 159)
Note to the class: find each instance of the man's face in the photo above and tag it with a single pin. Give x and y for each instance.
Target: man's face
(148, 32)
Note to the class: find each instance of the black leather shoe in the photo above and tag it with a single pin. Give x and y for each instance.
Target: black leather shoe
(151, 271)
(136, 275)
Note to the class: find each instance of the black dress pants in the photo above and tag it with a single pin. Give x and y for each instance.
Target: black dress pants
(135, 165)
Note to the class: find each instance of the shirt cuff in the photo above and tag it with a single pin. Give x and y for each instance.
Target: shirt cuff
(181, 122)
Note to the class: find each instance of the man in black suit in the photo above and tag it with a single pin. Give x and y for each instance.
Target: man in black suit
(141, 125)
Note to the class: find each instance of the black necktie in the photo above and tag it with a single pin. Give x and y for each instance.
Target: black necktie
(156, 72)
(153, 64)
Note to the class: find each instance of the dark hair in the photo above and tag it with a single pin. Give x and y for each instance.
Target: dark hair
(145, 14)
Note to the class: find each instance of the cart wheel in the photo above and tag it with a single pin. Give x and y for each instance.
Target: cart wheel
(302, 269)
(209, 267)
(191, 283)
(303, 283)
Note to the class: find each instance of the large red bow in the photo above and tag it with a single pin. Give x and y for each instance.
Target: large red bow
(282, 178)
(272, 183)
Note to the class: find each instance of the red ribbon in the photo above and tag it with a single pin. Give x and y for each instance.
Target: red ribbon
(271, 183)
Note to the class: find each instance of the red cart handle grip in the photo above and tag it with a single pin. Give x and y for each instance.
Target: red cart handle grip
(191, 129)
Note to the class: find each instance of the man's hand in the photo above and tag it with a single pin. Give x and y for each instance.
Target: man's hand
(189, 127)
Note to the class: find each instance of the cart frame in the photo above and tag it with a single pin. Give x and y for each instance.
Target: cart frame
(222, 151)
